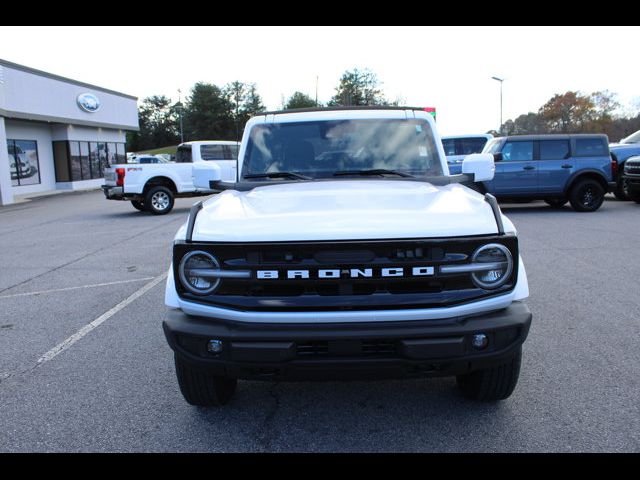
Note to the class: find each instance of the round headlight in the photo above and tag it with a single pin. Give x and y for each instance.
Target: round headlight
(193, 270)
(499, 266)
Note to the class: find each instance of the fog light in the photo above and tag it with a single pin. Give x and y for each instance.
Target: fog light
(480, 341)
(214, 346)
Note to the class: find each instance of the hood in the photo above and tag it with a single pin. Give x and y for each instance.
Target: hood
(343, 210)
(618, 147)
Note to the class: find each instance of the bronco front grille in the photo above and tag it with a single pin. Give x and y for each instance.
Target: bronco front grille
(344, 292)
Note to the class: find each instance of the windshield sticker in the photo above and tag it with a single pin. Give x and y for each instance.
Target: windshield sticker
(418, 128)
(422, 151)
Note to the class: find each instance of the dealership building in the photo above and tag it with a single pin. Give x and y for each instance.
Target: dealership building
(57, 133)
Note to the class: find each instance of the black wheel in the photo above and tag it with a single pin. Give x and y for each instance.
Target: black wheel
(586, 195)
(634, 197)
(556, 202)
(138, 205)
(621, 192)
(201, 388)
(159, 200)
(492, 384)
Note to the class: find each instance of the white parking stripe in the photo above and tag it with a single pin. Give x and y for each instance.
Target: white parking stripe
(76, 288)
(61, 347)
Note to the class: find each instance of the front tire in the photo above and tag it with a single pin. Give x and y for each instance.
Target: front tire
(494, 383)
(138, 205)
(586, 195)
(203, 389)
(159, 200)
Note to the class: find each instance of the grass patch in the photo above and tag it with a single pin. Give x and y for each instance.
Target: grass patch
(170, 150)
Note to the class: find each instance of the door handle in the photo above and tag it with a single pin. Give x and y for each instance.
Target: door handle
(528, 167)
(566, 165)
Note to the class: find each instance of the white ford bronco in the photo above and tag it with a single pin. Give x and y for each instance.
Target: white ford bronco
(344, 249)
(153, 187)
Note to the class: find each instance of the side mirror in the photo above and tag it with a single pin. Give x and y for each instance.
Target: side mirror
(497, 157)
(480, 165)
(205, 174)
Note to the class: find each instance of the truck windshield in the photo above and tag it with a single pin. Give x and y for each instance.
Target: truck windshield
(320, 149)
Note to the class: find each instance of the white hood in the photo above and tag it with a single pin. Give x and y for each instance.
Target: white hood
(344, 210)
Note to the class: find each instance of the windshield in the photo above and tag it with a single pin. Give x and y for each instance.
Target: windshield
(493, 146)
(320, 149)
(633, 138)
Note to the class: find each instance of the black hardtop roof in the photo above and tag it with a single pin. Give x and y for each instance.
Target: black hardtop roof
(553, 136)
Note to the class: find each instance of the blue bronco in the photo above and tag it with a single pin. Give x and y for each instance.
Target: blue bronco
(576, 168)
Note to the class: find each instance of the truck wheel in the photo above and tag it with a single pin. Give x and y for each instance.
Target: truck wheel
(556, 202)
(492, 384)
(621, 191)
(159, 200)
(138, 205)
(586, 195)
(203, 389)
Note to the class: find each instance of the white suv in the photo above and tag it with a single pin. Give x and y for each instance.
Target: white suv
(345, 250)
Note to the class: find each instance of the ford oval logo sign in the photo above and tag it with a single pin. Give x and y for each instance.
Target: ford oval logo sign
(88, 102)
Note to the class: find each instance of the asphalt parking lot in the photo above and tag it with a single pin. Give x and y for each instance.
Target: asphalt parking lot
(67, 260)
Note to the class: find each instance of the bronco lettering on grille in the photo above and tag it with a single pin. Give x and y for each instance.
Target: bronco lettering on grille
(345, 273)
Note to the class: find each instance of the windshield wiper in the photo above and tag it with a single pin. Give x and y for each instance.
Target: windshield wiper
(297, 176)
(374, 171)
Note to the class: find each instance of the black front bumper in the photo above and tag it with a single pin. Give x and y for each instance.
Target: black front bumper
(341, 351)
(633, 184)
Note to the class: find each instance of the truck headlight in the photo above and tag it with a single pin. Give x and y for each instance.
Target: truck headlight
(195, 271)
(499, 265)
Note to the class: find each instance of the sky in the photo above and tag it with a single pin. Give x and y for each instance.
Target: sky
(449, 68)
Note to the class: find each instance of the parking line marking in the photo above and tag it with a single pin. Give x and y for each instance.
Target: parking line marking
(76, 288)
(61, 347)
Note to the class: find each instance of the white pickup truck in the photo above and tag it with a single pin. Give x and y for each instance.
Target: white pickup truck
(153, 187)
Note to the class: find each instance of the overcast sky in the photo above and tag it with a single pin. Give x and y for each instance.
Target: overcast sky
(449, 68)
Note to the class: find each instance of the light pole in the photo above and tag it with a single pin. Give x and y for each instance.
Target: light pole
(499, 80)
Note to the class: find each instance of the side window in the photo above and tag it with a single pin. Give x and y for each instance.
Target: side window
(231, 152)
(183, 155)
(449, 146)
(212, 152)
(590, 147)
(471, 145)
(517, 152)
(554, 149)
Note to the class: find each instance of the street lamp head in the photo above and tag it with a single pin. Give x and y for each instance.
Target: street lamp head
(498, 79)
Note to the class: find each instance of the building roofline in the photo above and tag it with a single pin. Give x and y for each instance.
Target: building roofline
(52, 76)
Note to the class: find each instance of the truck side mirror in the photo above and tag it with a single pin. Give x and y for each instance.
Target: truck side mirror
(480, 165)
(205, 174)
(497, 157)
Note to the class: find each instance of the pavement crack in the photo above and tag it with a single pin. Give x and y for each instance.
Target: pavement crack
(265, 431)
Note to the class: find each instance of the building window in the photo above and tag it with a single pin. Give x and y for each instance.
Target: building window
(75, 161)
(23, 162)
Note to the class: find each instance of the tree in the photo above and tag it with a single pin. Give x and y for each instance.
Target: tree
(236, 92)
(529, 123)
(158, 122)
(252, 103)
(300, 100)
(358, 87)
(567, 113)
(208, 114)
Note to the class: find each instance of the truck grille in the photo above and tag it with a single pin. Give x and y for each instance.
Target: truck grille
(359, 348)
(345, 292)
